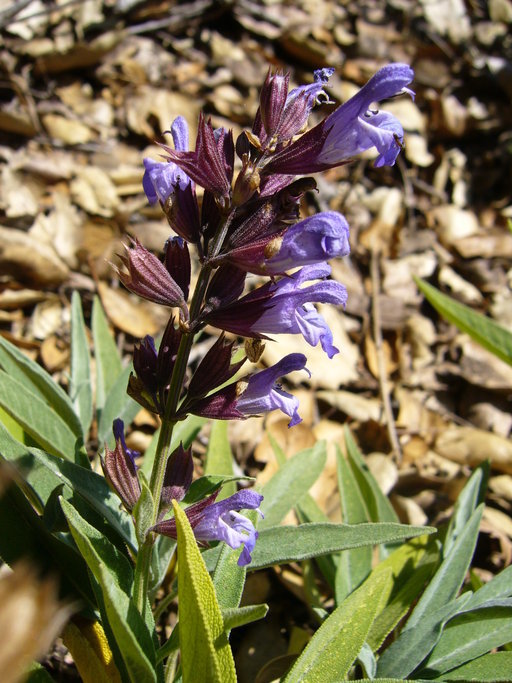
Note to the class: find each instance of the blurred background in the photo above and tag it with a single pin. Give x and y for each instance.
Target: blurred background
(88, 87)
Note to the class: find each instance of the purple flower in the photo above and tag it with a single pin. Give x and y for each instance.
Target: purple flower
(284, 307)
(253, 395)
(354, 127)
(313, 240)
(160, 178)
(351, 129)
(120, 470)
(263, 394)
(281, 115)
(149, 278)
(221, 521)
(211, 163)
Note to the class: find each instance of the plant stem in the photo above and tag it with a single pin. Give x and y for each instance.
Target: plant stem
(163, 449)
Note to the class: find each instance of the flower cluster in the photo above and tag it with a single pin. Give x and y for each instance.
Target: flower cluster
(244, 223)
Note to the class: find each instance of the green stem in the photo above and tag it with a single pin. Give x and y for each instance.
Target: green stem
(163, 449)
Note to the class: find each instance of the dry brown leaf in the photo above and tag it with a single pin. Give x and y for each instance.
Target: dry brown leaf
(358, 407)
(19, 195)
(482, 368)
(134, 316)
(54, 354)
(470, 446)
(408, 510)
(30, 618)
(69, 131)
(165, 106)
(27, 260)
(61, 228)
(46, 319)
(384, 470)
(93, 190)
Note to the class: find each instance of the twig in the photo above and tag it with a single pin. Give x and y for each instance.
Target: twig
(381, 363)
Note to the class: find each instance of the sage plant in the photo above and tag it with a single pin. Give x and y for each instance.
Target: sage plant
(246, 223)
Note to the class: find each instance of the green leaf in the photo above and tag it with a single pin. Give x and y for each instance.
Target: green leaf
(37, 381)
(37, 674)
(412, 566)
(80, 388)
(470, 497)
(308, 511)
(290, 484)
(493, 668)
(467, 637)
(93, 488)
(379, 509)
(117, 405)
(449, 577)
(278, 451)
(23, 535)
(482, 329)
(143, 512)
(108, 362)
(219, 459)
(281, 544)
(205, 652)
(337, 643)
(500, 586)
(354, 565)
(204, 486)
(38, 419)
(414, 644)
(240, 616)
(228, 578)
(114, 574)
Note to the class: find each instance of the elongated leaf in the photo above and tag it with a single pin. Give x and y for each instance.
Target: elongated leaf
(204, 486)
(40, 481)
(160, 559)
(468, 637)
(278, 545)
(18, 366)
(38, 419)
(108, 362)
(80, 388)
(412, 566)
(379, 509)
(205, 652)
(219, 459)
(482, 329)
(228, 578)
(94, 488)
(337, 643)
(492, 668)
(470, 497)
(308, 511)
(290, 484)
(500, 586)
(91, 652)
(23, 535)
(354, 565)
(449, 577)
(414, 644)
(240, 616)
(113, 573)
(117, 405)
